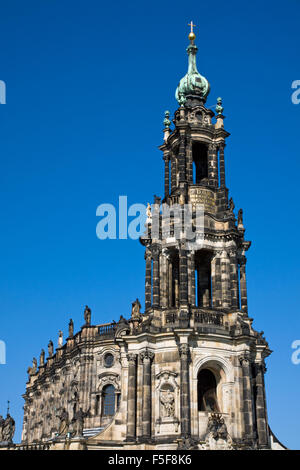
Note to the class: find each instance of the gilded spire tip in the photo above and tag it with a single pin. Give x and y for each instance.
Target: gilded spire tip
(192, 35)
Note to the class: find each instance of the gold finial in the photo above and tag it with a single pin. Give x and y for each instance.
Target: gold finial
(192, 35)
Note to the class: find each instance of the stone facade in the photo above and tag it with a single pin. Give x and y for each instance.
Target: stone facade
(188, 373)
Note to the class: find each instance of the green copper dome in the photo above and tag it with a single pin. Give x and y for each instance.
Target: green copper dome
(192, 83)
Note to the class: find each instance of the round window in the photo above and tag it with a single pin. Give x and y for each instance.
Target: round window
(108, 360)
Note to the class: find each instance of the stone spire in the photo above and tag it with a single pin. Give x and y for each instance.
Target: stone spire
(192, 85)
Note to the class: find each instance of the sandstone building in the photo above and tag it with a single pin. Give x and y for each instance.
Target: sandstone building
(188, 373)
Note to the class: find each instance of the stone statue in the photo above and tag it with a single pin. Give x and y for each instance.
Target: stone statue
(240, 217)
(60, 339)
(87, 315)
(71, 328)
(136, 310)
(216, 426)
(50, 348)
(78, 421)
(7, 430)
(42, 358)
(2, 421)
(231, 205)
(148, 212)
(32, 370)
(168, 402)
(63, 423)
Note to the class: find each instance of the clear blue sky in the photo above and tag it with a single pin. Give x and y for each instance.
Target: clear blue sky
(87, 86)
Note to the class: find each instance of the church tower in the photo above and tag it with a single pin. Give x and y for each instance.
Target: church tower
(188, 372)
(196, 287)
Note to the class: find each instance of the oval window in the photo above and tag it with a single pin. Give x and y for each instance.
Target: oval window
(108, 360)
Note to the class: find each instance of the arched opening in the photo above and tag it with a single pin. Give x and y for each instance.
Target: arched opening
(200, 162)
(203, 290)
(207, 392)
(109, 400)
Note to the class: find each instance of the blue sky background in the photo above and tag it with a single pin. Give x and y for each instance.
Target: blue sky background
(87, 86)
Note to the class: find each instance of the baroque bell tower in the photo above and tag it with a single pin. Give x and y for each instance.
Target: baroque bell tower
(195, 286)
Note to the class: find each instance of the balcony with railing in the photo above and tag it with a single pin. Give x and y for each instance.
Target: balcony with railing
(107, 330)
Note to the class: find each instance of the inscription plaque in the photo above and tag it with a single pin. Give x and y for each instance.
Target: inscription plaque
(203, 196)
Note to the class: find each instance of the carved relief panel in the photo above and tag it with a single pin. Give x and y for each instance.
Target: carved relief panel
(167, 402)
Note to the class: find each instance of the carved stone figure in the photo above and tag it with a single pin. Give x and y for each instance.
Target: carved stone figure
(136, 309)
(32, 370)
(42, 358)
(148, 212)
(168, 401)
(63, 423)
(181, 199)
(240, 217)
(87, 315)
(231, 205)
(216, 426)
(60, 339)
(78, 421)
(71, 328)
(7, 429)
(50, 348)
(2, 421)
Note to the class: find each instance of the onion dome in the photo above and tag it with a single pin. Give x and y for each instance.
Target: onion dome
(192, 84)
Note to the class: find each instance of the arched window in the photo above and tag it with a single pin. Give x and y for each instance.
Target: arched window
(109, 400)
(207, 392)
(200, 162)
(203, 288)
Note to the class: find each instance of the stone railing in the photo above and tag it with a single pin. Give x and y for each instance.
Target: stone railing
(208, 318)
(39, 446)
(107, 330)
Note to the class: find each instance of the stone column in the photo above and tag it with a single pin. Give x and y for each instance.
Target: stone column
(173, 173)
(167, 174)
(170, 282)
(156, 293)
(222, 165)
(131, 398)
(243, 285)
(183, 277)
(212, 166)
(260, 406)
(247, 397)
(181, 158)
(146, 357)
(191, 278)
(148, 280)
(234, 285)
(217, 284)
(225, 279)
(185, 415)
(189, 160)
(164, 278)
